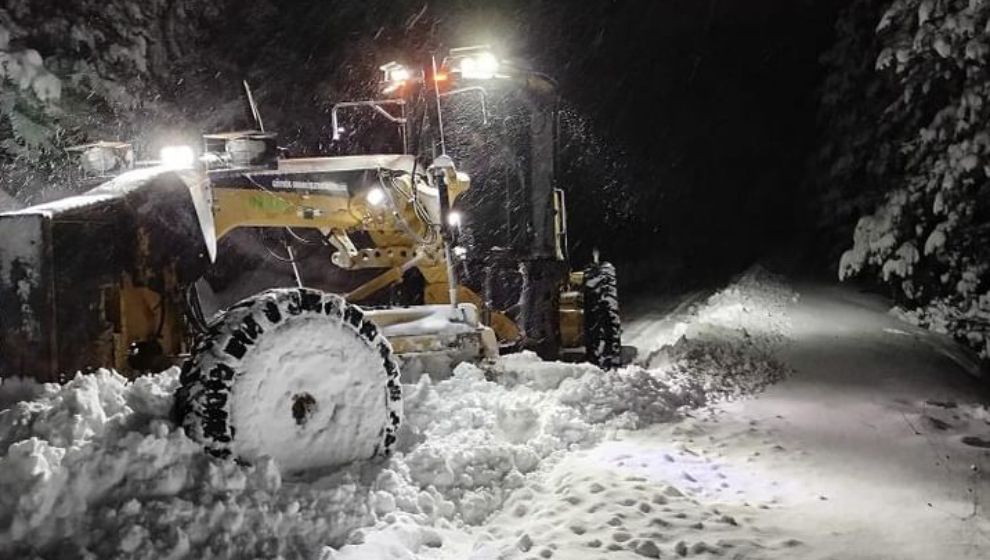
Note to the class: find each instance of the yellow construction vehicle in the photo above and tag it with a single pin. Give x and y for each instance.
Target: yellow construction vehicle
(372, 268)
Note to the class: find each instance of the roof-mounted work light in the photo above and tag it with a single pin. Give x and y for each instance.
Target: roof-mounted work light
(177, 157)
(473, 63)
(396, 76)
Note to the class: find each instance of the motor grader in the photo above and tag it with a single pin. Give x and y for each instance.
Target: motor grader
(327, 280)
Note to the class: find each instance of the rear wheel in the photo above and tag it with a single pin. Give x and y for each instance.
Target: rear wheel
(295, 374)
(602, 326)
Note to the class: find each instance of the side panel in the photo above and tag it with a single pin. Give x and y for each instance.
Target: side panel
(27, 298)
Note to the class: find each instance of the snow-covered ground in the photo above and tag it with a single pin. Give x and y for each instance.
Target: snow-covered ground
(878, 446)
(863, 441)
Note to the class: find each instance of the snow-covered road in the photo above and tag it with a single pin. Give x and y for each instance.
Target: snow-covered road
(871, 448)
(761, 422)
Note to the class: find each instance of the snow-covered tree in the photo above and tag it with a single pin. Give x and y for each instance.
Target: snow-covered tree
(28, 94)
(926, 149)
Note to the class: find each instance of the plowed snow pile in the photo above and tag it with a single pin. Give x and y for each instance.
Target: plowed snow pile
(95, 468)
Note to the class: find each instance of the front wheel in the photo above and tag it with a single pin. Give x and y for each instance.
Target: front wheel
(602, 326)
(295, 374)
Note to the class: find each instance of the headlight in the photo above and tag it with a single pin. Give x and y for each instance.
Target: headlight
(395, 76)
(400, 74)
(473, 63)
(177, 157)
(375, 196)
(482, 66)
(454, 218)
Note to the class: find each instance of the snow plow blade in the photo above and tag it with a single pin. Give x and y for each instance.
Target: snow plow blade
(433, 339)
(73, 271)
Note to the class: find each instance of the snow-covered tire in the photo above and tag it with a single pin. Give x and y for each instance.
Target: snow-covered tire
(602, 326)
(296, 374)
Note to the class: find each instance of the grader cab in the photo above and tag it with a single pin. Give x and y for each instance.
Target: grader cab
(298, 292)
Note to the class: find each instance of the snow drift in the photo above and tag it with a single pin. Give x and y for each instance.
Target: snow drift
(96, 468)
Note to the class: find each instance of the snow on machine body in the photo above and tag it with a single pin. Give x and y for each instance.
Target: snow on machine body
(370, 268)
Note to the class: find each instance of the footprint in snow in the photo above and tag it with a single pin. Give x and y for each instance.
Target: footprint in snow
(937, 424)
(942, 404)
(975, 441)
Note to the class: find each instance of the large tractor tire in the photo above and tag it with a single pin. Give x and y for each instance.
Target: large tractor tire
(602, 326)
(295, 374)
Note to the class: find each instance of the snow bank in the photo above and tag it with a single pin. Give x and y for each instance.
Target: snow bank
(506, 459)
(478, 438)
(729, 344)
(96, 467)
(966, 323)
(475, 444)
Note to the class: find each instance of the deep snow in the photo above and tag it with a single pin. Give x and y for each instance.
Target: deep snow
(867, 425)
